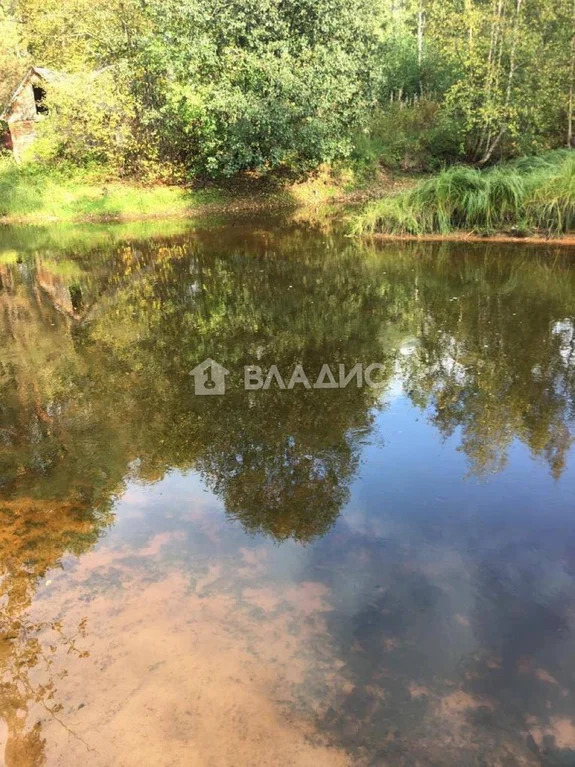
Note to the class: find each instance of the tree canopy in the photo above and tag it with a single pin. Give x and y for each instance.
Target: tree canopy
(213, 89)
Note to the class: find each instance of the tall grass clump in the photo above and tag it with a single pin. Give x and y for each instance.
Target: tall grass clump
(551, 203)
(536, 194)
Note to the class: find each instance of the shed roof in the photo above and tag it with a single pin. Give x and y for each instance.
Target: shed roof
(48, 75)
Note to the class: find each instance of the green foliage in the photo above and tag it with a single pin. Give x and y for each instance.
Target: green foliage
(551, 202)
(526, 195)
(207, 89)
(91, 120)
(409, 137)
(275, 86)
(14, 59)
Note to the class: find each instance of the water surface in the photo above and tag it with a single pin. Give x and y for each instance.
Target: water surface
(344, 576)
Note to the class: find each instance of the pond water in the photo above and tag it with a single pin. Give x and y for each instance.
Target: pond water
(358, 575)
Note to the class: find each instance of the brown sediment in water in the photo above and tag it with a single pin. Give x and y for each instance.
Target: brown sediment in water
(561, 729)
(173, 675)
(418, 690)
(545, 676)
(175, 662)
(460, 701)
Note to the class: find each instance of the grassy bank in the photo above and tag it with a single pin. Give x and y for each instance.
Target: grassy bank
(36, 194)
(533, 195)
(529, 196)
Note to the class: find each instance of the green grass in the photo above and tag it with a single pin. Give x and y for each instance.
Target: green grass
(521, 197)
(34, 194)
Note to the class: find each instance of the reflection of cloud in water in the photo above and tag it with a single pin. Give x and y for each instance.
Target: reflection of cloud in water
(204, 663)
(207, 645)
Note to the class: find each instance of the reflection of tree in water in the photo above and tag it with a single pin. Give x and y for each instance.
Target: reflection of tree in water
(286, 476)
(489, 354)
(280, 460)
(495, 353)
(45, 512)
(96, 381)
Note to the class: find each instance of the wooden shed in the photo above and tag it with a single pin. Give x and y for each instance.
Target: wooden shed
(26, 107)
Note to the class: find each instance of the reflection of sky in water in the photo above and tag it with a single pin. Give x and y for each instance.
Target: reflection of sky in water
(190, 582)
(447, 598)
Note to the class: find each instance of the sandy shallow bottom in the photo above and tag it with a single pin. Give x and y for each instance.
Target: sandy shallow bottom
(159, 673)
(131, 658)
(180, 639)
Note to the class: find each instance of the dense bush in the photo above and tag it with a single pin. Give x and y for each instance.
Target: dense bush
(213, 89)
(264, 86)
(92, 119)
(409, 137)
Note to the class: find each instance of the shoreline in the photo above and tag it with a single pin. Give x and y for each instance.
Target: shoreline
(272, 203)
(535, 239)
(87, 201)
(255, 205)
(315, 194)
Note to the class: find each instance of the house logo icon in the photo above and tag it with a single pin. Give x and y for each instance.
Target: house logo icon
(209, 378)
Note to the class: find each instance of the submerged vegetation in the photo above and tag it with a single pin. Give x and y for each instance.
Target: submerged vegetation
(529, 195)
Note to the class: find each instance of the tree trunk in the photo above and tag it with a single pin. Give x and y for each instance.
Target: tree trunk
(420, 21)
(485, 134)
(492, 145)
(571, 84)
